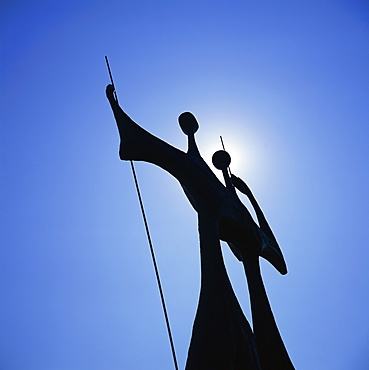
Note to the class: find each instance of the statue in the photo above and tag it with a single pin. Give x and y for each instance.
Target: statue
(221, 337)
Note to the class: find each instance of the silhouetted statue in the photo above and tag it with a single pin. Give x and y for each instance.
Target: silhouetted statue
(221, 335)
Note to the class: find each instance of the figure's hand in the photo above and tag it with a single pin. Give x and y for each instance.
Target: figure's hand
(110, 92)
(240, 185)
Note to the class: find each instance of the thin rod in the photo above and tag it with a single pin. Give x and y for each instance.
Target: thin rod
(149, 240)
(111, 78)
(221, 140)
(155, 267)
(229, 168)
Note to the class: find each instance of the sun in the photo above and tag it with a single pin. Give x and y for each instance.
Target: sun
(240, 147)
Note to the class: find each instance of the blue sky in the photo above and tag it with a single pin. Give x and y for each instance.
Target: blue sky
(286, 83)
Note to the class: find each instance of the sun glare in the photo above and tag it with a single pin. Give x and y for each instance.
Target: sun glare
(241, 147)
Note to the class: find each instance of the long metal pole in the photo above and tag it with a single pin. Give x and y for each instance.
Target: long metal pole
(149, 240)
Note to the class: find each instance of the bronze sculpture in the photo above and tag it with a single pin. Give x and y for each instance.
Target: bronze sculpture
(221, 336)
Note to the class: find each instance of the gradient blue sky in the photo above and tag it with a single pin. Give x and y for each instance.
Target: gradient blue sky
(286, 83)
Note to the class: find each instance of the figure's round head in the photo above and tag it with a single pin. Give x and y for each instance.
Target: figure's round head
(188, 123)
(221, 159)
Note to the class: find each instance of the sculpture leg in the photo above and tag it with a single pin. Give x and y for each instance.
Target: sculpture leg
(272, 352)
(221, 336)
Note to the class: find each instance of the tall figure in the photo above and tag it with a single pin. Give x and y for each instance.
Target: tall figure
(221, 337)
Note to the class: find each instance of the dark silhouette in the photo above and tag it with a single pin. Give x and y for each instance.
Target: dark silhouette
(221, 336)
